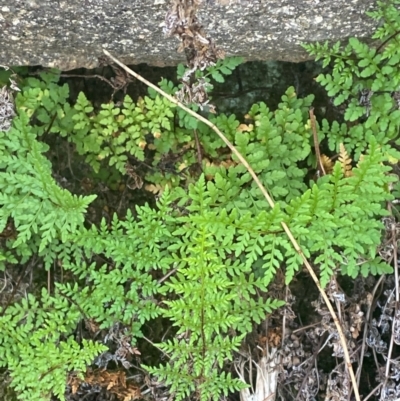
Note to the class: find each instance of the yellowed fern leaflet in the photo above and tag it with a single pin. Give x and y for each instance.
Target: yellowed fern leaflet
(327, 163)
(345, 161)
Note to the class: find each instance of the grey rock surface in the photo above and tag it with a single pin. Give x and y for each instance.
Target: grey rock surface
(70, 34)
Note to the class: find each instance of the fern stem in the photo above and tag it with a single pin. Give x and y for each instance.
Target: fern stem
(271, 204)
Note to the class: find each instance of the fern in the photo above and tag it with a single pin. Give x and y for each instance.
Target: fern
(367, 78)
(215, 295)
(42, 212)
(39, 332)
(203, 256)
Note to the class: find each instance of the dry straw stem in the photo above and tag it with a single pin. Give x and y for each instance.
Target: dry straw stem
(271, 204)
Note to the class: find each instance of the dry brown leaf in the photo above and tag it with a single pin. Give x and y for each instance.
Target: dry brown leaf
(91, 325)
(74, 382)
(115, 382)
(134, 181)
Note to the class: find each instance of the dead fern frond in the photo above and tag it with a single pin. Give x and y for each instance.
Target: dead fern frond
(345, 161)
(327, 163)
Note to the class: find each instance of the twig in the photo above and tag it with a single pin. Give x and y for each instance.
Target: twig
(5, 282)
(156, 346)
(11, 297)
(50, 125)
(305, 327)
(396, 276)
(313, 357)
(69, 161)
(162, 279)
(284, 316)
(199, 158)
(373, 392)
(386, 41)
(88, 77)
(48, 281)
(316, 142)
(396, 267)
(271, 204)
(79, 76)
(366, 326)
(73, 302)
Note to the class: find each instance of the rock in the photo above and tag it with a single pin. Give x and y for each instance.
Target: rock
(70, 34)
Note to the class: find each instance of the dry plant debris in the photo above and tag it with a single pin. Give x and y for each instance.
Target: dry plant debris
(121, 80)
(114, 382)
(181, 20)
(293, 360)
(104, 379)
(327, 164)
(200, 50)
(7, 108)
(120, 347)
